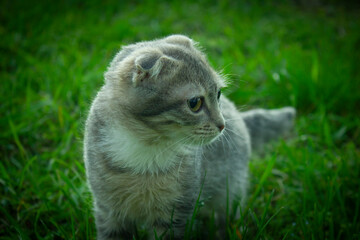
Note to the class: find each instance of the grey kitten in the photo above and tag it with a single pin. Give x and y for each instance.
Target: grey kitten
(159, 131)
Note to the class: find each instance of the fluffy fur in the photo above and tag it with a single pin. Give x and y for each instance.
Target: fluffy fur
(148, 150)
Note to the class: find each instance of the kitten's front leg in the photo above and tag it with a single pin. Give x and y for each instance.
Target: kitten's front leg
(109, 228)
(174, 229)
(175, 226)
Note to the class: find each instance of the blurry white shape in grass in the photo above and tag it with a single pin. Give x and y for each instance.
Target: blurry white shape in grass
(276, 77)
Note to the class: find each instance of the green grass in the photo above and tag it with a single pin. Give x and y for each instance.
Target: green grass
(52, 60)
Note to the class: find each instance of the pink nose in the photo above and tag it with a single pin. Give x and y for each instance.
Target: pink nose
(221, 127)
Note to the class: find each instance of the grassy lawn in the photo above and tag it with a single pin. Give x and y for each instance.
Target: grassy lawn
(52, 59)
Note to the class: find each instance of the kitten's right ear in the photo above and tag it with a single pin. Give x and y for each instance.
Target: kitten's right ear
(152, 65)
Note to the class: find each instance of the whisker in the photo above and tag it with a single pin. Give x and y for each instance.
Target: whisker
(222, 142)
(169, 148)
(228, 139)
(232, 119)
(237, 134)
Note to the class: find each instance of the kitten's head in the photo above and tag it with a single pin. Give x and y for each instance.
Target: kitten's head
(165, 90)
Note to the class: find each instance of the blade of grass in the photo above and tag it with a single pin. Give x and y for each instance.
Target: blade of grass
(263, 178)
(23, 153)
(196, 209)
(263, 226)
(24, 170)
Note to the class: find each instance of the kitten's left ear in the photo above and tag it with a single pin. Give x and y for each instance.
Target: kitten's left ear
(180, 40)
(154, 65)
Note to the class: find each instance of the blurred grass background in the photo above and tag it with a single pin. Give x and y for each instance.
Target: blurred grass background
(304, 54)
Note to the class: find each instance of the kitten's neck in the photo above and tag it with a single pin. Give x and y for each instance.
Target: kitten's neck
(140, 156)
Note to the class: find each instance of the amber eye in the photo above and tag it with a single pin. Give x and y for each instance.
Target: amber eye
(219, 94)
(195, 104)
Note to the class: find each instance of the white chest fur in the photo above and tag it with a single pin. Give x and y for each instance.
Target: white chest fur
(127, 151)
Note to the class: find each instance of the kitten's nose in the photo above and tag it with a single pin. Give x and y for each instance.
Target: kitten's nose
(221, 127)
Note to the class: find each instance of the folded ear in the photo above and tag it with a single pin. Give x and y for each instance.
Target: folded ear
(153, 65)
(179, 40)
